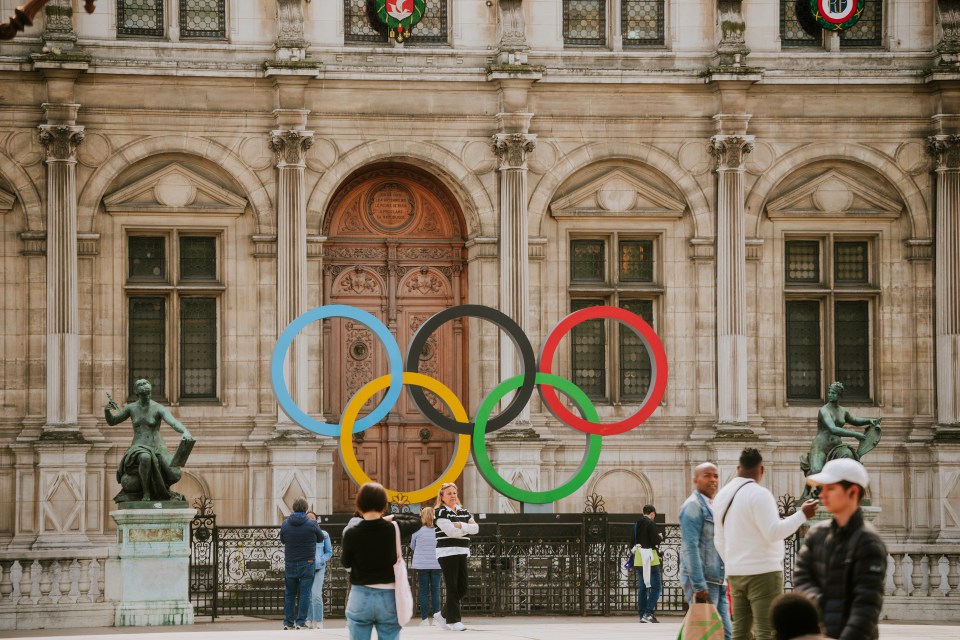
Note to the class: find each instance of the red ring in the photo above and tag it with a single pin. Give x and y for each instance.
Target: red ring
(645, 333)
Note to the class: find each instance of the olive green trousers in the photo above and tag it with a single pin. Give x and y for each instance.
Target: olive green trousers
(752, 596)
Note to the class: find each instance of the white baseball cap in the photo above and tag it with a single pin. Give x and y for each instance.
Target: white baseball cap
(840, 470)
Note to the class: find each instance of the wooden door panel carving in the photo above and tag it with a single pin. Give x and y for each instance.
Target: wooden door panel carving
(395, 249)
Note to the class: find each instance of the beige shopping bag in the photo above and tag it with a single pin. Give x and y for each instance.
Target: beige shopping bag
(702, 623)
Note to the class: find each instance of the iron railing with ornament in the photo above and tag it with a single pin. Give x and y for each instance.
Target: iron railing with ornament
(520, 564)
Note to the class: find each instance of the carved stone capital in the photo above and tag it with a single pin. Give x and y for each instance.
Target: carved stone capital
(61, 141)
(729, 151)
(945, 150)
(512, 149)
(949, 43)
(291, 146)
(732, 48)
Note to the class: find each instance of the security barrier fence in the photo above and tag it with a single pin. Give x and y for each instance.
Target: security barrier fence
(520, 564)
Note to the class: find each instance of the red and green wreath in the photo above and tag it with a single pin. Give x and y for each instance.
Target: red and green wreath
(836, 15)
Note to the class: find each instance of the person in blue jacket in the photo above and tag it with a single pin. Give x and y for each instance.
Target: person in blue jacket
(299, 535)
(324, 553)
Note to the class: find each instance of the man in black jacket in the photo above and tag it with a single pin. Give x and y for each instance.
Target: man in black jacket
(648, 539)
(843, 562)
(299, 535)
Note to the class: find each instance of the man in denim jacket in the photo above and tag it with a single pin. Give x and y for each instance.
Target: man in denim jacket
(701, 569)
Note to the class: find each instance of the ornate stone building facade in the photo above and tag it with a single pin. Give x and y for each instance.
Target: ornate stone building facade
(180, 180)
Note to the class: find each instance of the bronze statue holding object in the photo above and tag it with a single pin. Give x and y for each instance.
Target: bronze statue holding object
(148, 469)
(828, 445)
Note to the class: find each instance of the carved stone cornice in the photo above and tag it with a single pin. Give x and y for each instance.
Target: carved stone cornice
(291, 146)
(729, 151)
(732, 48)
(945, 150)
(61, 141)
(512, 149)
(950, 27)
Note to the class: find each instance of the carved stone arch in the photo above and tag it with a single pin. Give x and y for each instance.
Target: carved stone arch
(192, 485)
(103, 178)
(623, 490)
(424, 282)
(357, 280)
(863, 157)
(25, 190)
(474, 200)
(643, 154)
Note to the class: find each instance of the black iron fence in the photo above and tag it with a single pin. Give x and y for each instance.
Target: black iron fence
(520, 564)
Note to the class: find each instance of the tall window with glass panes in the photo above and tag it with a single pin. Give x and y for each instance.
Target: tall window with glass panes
(596, 23)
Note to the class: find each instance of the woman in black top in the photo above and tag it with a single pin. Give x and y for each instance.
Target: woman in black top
(369, 552)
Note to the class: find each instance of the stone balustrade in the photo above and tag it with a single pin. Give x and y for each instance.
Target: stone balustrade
(923, 582)
(53, 589)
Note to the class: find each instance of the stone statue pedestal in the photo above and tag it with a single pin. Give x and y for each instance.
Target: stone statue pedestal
(148, 572)
(870, 514)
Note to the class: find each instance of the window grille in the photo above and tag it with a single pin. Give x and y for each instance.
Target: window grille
(203, 19)
(587, 261)
(868, 32)
(585, 22)
(198, 258)
(850, 263)
(198, 348)
(636, 261)
(803, 262)
(146, 259)
(803, 349)
(852, 319)
(140, 18)
(589, 349)
(635, 368)
(792, 33)
(641, 22)
(147, 343)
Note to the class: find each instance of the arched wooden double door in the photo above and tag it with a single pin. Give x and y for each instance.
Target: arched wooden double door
(394, 248)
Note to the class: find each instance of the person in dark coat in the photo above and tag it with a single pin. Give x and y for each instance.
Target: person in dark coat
(843, 562)
(648, 589)
(299, 535)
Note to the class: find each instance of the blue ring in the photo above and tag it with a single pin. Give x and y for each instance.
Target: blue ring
(394, 357)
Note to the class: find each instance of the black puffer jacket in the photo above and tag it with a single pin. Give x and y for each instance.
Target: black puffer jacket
(648, 534)
(843, 569)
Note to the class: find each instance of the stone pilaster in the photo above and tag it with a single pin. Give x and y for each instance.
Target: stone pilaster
(290, 147)
(511, 150)
(62, 357)
(946, 152)
(729, 151)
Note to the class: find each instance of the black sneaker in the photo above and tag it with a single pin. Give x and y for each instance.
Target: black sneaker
(645, 619)
(653, 619)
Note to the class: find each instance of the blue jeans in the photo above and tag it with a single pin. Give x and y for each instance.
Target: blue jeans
(718, 597)
(647, 596)
(316, 595)
(368, 608)
(298, 581)
(429, 591)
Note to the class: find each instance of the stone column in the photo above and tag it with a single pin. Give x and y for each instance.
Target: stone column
(729, 151)
(946, 151)
(62, 359)
(290, 147)
(512, 150)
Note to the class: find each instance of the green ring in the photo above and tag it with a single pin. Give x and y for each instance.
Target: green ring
(590, 457)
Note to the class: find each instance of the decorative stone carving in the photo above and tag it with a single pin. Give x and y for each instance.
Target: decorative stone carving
(358, 282)
(511, 26)
(61, 141)
(732, 49)
(58, 35)
(290, 43)
(424, 283)
(945, 151)
(512, 149)
(290, 147)
(729, 151)
(949, 45)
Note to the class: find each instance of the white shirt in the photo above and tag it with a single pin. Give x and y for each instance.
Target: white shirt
(751, 541)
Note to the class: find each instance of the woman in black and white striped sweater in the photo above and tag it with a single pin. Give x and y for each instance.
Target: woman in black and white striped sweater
(454, 525)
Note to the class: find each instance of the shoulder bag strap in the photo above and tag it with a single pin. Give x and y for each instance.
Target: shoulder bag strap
(635, 525)
(396, 528)
(723, 519)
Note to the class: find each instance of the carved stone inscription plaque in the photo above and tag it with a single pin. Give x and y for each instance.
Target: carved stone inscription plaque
(391, 207)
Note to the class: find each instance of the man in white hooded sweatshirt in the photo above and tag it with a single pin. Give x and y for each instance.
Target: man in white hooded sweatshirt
(748, 534)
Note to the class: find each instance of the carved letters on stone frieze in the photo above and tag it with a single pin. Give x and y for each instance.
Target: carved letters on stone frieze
(945, 151)
(512, 149)
(291, 146)
(729, 151)
(61, 141)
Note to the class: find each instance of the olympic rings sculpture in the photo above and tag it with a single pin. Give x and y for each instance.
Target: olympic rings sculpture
(471, 435)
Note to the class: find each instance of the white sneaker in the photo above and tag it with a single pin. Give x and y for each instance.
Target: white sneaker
(458, 626)
(425, 622)
(318, 625)
(440, 621)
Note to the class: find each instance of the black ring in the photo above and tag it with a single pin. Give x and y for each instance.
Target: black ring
(520, 341)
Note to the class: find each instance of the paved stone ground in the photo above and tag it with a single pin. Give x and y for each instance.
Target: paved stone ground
(619, 628)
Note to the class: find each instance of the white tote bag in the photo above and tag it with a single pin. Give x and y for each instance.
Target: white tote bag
(402, 585)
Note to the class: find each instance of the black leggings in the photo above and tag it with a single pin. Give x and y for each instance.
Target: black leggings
(455, 579)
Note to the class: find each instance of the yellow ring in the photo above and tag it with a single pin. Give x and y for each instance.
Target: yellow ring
(352, 466)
